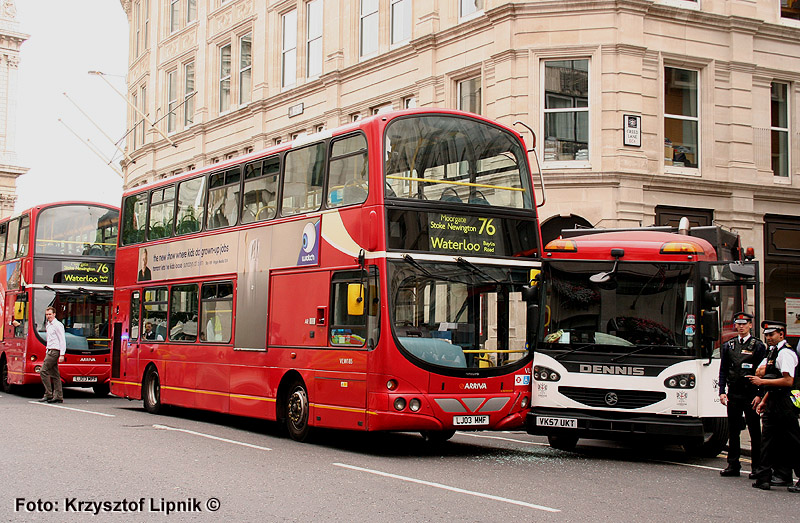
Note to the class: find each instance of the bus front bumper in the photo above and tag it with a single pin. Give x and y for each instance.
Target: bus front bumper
(610, 425)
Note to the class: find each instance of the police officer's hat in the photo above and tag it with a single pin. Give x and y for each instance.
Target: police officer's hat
(742, 317)
(772, 326)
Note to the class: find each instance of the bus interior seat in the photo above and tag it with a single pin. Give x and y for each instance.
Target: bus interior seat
(450, 195)
(353, 194)
(478, 199)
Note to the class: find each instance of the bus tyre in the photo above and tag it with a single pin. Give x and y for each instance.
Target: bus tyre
(7, 387)
(101, 391)
(715, 435)
(151, 391)
(297, 409)
(563, 442)
(437, 436)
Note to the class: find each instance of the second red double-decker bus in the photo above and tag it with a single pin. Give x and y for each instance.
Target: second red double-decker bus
(60, 255)
(373, 277)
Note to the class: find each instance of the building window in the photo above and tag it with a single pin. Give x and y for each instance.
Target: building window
(681, 118)
(289, 49)
(135, 103)
(355, 117)
(401, 20)
(790, 9)
(143, 109)
(314, 39)
(137, 20)
(146, 41)
(566, 110)
(245, 69)
(779, 128)
(469, 7)
(224, 78)
(369, 27)
(188, 94)
(410, 102)
(172, 100)
(174, 15)
(382, 109)
(469, 95)
(191, 11)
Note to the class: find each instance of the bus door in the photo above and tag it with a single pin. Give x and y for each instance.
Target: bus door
(15, 328)
(330, 357)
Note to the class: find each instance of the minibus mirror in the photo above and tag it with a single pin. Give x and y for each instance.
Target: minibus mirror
(355, 299)
(710, 297)
(710, 324)
(743, 271)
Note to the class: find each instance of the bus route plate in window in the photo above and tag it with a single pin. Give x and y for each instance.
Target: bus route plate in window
(470, 420)
(562, 423)
(84, 379)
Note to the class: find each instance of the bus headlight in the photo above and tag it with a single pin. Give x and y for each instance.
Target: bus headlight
(391, 384)
(37, 368)
(399, 404)
(680, 381)
(414, 405)
(544, 374)
(524, 403)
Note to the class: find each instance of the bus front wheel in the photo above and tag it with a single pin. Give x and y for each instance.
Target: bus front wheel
(297, 410)
(151, 391)
(101, 391)
(7, 387)
(563, 442)
(436, 437)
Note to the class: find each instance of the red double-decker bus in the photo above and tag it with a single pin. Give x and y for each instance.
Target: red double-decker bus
(60, 255)
(373, 277)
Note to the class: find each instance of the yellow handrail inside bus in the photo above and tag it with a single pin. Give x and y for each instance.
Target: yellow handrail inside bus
(490, 351)
(73, 241)
(450, 182)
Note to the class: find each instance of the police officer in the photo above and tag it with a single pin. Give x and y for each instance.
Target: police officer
(740, 358)
(781, 436)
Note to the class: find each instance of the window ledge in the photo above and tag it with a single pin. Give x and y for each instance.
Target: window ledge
(685, 4)
(781, 180)
(684, 171)
(470, 16)
(566, 165)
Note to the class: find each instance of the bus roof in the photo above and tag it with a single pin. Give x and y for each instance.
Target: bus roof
(306, 139)
(637, 244)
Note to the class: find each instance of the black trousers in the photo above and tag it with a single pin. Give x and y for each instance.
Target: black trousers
(739, 406)
(780, 442)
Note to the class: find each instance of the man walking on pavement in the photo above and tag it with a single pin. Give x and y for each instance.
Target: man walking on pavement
(740, 358)
(56, 348)
(781, 439)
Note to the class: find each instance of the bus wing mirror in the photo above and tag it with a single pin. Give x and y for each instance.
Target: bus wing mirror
(19, 310)
(530, 292)
(355, 299)
(21, 298)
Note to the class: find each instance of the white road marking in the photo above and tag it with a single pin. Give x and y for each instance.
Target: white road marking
(72, 408)
(538, 444)
(447, 487)
(691, 465)
(209, 436)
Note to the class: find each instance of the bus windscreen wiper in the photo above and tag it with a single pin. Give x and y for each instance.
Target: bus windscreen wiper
(461, 261)
(637, 350)
(576, 349)
(414, 263)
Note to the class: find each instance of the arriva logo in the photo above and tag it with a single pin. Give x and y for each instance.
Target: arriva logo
(88, 359)
(472, 386)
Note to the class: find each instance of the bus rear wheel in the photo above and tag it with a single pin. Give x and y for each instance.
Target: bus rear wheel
(297, 410)
(7, 387)
(715, 435)
(151, 391)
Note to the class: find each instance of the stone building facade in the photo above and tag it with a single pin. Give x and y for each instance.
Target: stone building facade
(644, 110)
(11, 40)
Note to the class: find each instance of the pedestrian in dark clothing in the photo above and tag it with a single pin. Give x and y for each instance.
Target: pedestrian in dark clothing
(740, 358)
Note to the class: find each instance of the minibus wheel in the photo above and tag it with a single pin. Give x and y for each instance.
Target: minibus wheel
(7, 387)
(437, 436)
